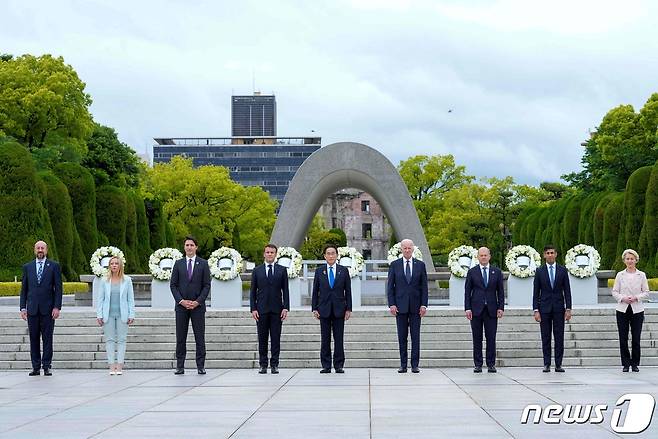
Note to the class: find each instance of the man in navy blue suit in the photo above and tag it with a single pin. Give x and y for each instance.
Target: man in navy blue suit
(41, 300)
(551, 302)
(331, 303)
(407, 294)
(269, 303)
(484, 303)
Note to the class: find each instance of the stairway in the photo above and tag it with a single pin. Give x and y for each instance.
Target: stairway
(370, 340)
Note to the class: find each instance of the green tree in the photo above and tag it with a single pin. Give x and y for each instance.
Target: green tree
(112, 216)
(611, 230)
(599, 218)
(648, 245)
(632, 218)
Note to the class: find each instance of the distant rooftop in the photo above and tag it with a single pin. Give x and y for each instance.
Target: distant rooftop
(237, 140)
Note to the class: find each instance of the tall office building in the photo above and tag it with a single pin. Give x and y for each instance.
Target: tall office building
(253, 115)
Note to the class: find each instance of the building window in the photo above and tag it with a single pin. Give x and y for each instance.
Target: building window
(365, 206)
(366, 231)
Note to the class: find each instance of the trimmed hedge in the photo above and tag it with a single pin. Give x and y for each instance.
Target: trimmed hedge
(599, 216)
(111, 216)
(157, 223)
(653, 283)
(649, 235)
(143, 234)
(611, 229)
(22, 214)
(133, 264)
(633, 216)
(570, 222)
(586, 221)
(14, 288)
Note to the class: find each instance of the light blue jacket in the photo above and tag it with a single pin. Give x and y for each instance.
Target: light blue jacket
(126, 300)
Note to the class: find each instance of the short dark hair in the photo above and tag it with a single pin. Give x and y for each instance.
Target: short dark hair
(190, 238)
(549, 247)
(272, 246)
(328, 246)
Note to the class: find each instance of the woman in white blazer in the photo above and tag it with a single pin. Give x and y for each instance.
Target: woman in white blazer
(114, 312)
(630, 289)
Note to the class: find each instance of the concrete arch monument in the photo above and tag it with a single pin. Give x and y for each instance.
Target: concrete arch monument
(347, 165)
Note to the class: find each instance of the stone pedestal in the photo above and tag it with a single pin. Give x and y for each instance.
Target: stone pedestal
(456, 291)
(519, 291)
(96, 287)
(295, 293)
(584, 291)
(226, 294)
(356, 292)
(161, 296)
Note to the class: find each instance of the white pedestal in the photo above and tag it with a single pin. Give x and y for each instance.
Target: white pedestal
(456, 290)
(584, 291)
(161, 296)
(356, 292)
(96, 286)
(519, 291)
(295, 293)
(226, 294)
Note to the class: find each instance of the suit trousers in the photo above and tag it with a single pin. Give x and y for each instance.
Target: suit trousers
(329, 325)
(269, 325)
(634, 321)
(41, 328)
(183, 317)
(552, 322)
(490, 325)
(409, 322)
(116, 333)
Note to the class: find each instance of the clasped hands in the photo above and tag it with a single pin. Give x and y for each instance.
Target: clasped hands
(629, 299)
(394, 310)
(188, 304)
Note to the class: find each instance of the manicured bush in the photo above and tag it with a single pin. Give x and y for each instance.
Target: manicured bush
(570, 222)
(143, 235)
(611, 230)
(633, 215)
(586, 221)
(649, 235)
(157, 224)
(133, 264)
(111, 215)
(599, 215)
(14, 288)
(542, 224)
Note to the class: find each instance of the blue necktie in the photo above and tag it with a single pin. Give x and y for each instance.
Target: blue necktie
(485, 277)
(269, 271)
(407, 272)
(551, 275)
(331, 277)
(40, 272)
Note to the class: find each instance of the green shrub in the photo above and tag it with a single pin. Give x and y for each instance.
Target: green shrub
(157, 224)
(633, 215)
(111, 216)
(570, 222)
(143, 236)
(599, 215)
(14, 288)
(586, 221)
(133, 264)
(653, 284)
(649, 235)
(611, 230)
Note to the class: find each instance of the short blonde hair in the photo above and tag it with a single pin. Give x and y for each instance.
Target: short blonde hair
(109, 272)
(632, 252)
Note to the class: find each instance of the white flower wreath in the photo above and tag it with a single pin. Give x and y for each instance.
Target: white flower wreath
(582, 261)
(98, 259)
(395, 252)
(358, 264)
(223, 271)
(163, 273)
(455, 262)
(520, 271)
(295, 260)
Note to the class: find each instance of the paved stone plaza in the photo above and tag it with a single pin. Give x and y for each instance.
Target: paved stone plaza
(301, 403)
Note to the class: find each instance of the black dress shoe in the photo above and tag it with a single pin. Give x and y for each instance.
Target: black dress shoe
(415, 370)
(339, 370)
(547, 368)
(491, 369)
(559, 369)
(477, 369)
(625, 369)
(275, 370)
(262, 370)
(402, 370)
(35, 372)
(47, 372)
(325, 370)
(201, 371)
(179, 371)
(635, 368)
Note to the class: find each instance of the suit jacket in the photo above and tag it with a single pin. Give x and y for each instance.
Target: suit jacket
(547, 299)
(41, 298)
(126, 300)
(269, 295)
(195, 289)
(475, 292)
(408, 297)
(336, 300)
(630, 284)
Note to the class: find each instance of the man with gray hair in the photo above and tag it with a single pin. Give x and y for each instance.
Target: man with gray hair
(407, 294)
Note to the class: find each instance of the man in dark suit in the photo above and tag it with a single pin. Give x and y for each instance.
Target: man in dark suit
(331, 303)
(269, 302)
(484, 302)
(407, 294)
(551, 302)
(190, 285)
(41, 300)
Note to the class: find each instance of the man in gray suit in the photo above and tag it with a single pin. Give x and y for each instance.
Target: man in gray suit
(190, 285)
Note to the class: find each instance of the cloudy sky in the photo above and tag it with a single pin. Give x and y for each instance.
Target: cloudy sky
(525, 80)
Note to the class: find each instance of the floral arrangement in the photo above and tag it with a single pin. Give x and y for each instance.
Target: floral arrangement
(358, 264)
(295, 260)
(225, 273)
(512, 264)
(594, 261)
(157, 271)
(453, 259)
(395, 252)
(104, 252)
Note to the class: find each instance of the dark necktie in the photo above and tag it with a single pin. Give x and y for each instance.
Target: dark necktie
(269, 271)
(551, 275)
(39, 271)
(189, 269)
(485, 277)
(407, 272)
(331, 277)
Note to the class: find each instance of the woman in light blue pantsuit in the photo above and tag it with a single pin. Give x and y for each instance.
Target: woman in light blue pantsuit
(114, 312)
